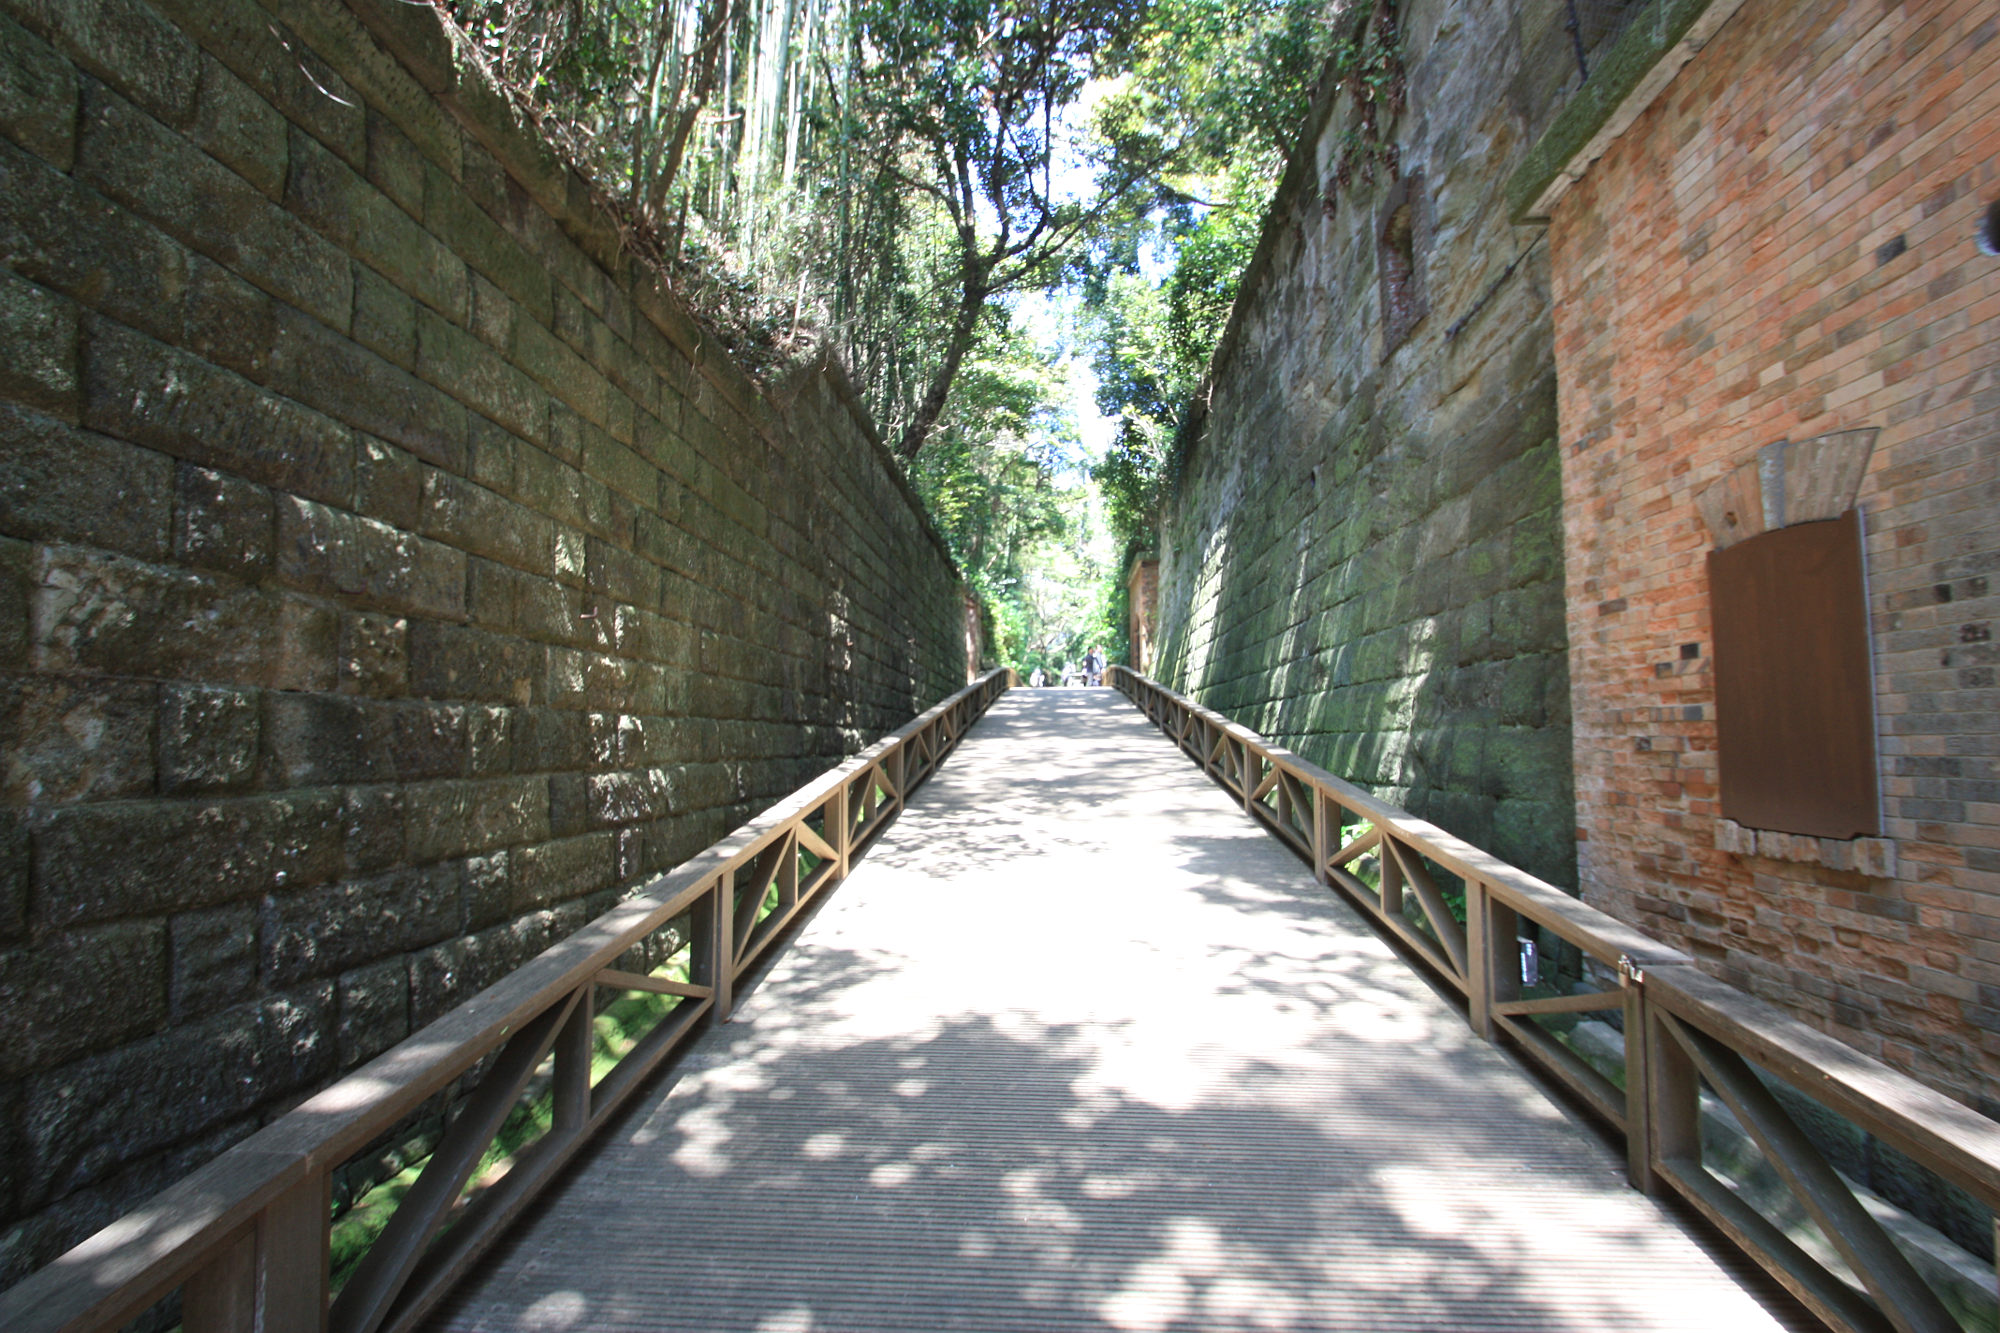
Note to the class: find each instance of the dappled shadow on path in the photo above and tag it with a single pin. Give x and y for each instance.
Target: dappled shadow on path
(1086, 1049)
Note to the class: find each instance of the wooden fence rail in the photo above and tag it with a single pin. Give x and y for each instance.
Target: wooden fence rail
(246, 1238)
(1683, 1029)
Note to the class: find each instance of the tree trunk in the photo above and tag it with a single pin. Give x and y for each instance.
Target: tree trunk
(963, 327)
(704, 56)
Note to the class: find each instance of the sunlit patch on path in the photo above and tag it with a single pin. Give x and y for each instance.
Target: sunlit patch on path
(1079, 1046)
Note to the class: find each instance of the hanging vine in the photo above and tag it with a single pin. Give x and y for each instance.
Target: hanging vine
(1368, 67)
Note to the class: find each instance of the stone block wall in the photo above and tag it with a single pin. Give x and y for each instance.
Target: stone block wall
(390, 573)
(1363, 560)
(1783, 246)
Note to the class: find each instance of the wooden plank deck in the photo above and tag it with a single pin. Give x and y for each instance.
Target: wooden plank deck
(1080, 1046)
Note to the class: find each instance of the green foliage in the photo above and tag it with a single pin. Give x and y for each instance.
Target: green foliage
(882, 174)
(1235, 76)
(1002, 479)
(1367, 67)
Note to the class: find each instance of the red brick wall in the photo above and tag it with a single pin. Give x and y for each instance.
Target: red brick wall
(1727, 275)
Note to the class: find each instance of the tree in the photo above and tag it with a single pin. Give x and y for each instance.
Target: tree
(966, 104)
(1234, 79)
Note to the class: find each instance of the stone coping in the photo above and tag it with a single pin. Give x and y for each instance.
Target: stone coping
(1630, 73)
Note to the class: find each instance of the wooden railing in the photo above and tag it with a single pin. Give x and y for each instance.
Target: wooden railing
(1683, 1029)
(245, 1239)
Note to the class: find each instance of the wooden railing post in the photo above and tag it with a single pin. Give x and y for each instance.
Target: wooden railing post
(840, 832)
(1326, 828)
(293, 1278)
(722, 944)
(1391, 877)
(571, 1092)
(1493, 966)
(221, 1297)
(1663, 1094)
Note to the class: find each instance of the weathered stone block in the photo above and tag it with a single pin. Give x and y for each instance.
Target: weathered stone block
(16, 876)
(374, 655)
(128, 45)
(1537, 835)
(569, 804)
(477, 376)
(558, 872)
(631, 798)
(491, 460)
(334, 31)
(453, 972)
(37, 96)
(58, 483)
(651, 849)
(95, 862)
(1787, 846)
(158, 396)
(83, 1121)
(222, 523)
(17, 580)
(208, 207)
(459, 662)
(330, 551)
(475, 519)
(395, 167)
(315, 932)
(285, 71)
(318, 740)
(341, 205)
(317, 366)
(374, 1010)
(105, 613)
(445, 819)
(550, 740)
(619, 468)
(619, 573)
(305, 656)
(240, 129)
(390, 485)
(57, 233)
(208, 739)
(1733, 838)
(489, 894)
(385, 318)
(493, 315)
(1875, 857)
(79, 991)
(490, 738)
(74, 740)
(373, 821)
(214, 959)
(460, 224)
(39, 328)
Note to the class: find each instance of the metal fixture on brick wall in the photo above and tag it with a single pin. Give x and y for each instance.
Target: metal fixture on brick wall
(1989, 230)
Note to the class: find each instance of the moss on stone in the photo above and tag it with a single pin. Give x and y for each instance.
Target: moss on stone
(1618, 71)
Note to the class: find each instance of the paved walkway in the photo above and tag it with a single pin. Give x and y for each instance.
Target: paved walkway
(1080, 1047)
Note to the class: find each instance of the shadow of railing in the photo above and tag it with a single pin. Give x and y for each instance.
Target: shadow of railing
(529, 1073)
(1686, 1040)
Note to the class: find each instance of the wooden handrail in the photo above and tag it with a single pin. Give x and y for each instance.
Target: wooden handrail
(1684, 1029)
(246, 1237)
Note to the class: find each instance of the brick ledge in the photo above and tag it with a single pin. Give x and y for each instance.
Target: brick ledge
(1874, 857)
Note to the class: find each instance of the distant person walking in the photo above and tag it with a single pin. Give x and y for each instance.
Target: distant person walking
(1093, 666)
(1035, 680)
